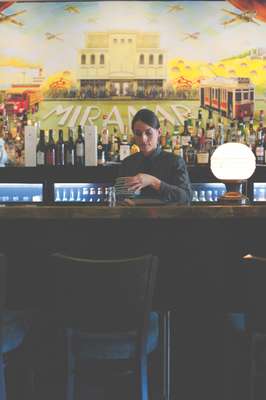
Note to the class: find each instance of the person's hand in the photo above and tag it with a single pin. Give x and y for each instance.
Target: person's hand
(141, 181)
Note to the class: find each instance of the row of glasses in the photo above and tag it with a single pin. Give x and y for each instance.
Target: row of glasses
(210, 196)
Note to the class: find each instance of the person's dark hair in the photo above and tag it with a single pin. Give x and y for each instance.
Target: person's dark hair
(146, 116)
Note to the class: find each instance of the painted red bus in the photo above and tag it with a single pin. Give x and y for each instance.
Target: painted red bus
(231, 97)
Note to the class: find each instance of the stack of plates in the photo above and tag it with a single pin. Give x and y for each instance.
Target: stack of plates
(123, 191)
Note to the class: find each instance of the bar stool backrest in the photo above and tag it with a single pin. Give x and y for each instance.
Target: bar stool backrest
(113, 295)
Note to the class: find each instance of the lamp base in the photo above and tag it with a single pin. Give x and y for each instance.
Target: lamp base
(233, 198)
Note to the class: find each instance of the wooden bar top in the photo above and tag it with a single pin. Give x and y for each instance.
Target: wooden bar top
(153, 212)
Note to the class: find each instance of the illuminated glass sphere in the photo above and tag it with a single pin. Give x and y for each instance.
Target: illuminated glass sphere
(233, 161)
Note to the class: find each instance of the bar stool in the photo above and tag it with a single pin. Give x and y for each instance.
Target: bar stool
(105, 308)
(14, 326)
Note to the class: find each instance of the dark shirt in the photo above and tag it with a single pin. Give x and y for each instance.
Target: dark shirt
(169, 168)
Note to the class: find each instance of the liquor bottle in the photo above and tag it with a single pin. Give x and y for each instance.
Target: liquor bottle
(259, 148)
(241, 132)
(50, 150)
(134, 148)
(124, 150)
(19, 143)
(70, 149)
(190, 123)
(220, 139)
(105, 139)
(175, 136)
(60, 150)
(80, 149)
(168, 139)
(185, 137)
(210, 131)
(178, 149)
(251, 140)
(114, 147)
(168, 143)
(190, 155)
(195, 139)
(233, 127)
(40, 150)
(100, 152)
(203, 153)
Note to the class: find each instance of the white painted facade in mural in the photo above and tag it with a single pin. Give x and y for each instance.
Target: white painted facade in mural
(122, 61)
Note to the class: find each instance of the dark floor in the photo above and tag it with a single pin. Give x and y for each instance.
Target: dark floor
(204, 366)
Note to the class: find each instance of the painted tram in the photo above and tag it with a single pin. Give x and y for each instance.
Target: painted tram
(231, 97)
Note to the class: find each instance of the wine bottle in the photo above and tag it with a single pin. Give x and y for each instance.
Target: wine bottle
(50, 150)
(40, 150)
(60, 150)
(80, 148)
(70, 149)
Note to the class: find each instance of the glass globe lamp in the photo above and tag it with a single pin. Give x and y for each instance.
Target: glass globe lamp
(233, 164)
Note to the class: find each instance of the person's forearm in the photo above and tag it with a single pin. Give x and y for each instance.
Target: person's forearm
(156, 183)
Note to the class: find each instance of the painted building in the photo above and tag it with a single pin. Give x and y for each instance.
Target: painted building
(258, 53)
(122, 63)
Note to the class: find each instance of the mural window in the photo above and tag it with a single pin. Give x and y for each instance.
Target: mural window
(129, 40)
(83, 59)
(252, 95)
(238, 95)
(115, 40)
(160, 59)
(92, 59)
(245, 95)
(151, 59)
(122, 40)
(141, 59)
(102, 59)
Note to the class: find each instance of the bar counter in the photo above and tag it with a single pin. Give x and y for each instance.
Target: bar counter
(199, 247)
(165, 212)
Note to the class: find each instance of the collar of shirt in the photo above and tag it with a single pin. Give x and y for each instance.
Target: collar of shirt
(147, 161)
(154, 154)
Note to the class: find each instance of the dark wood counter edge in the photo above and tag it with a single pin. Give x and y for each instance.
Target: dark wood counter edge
(26, 212)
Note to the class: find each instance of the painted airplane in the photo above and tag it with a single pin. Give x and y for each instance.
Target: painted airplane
(50, 36)
(175, 8)
(92, 20)
(245, 16)
(9, 17)
(72, 9)
(194, 35)
(151, 18)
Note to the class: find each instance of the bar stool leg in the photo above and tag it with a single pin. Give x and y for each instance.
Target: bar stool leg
(2, 378)
(70, 367)
(166, 355)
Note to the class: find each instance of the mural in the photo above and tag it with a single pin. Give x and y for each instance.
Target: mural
(70, 63)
